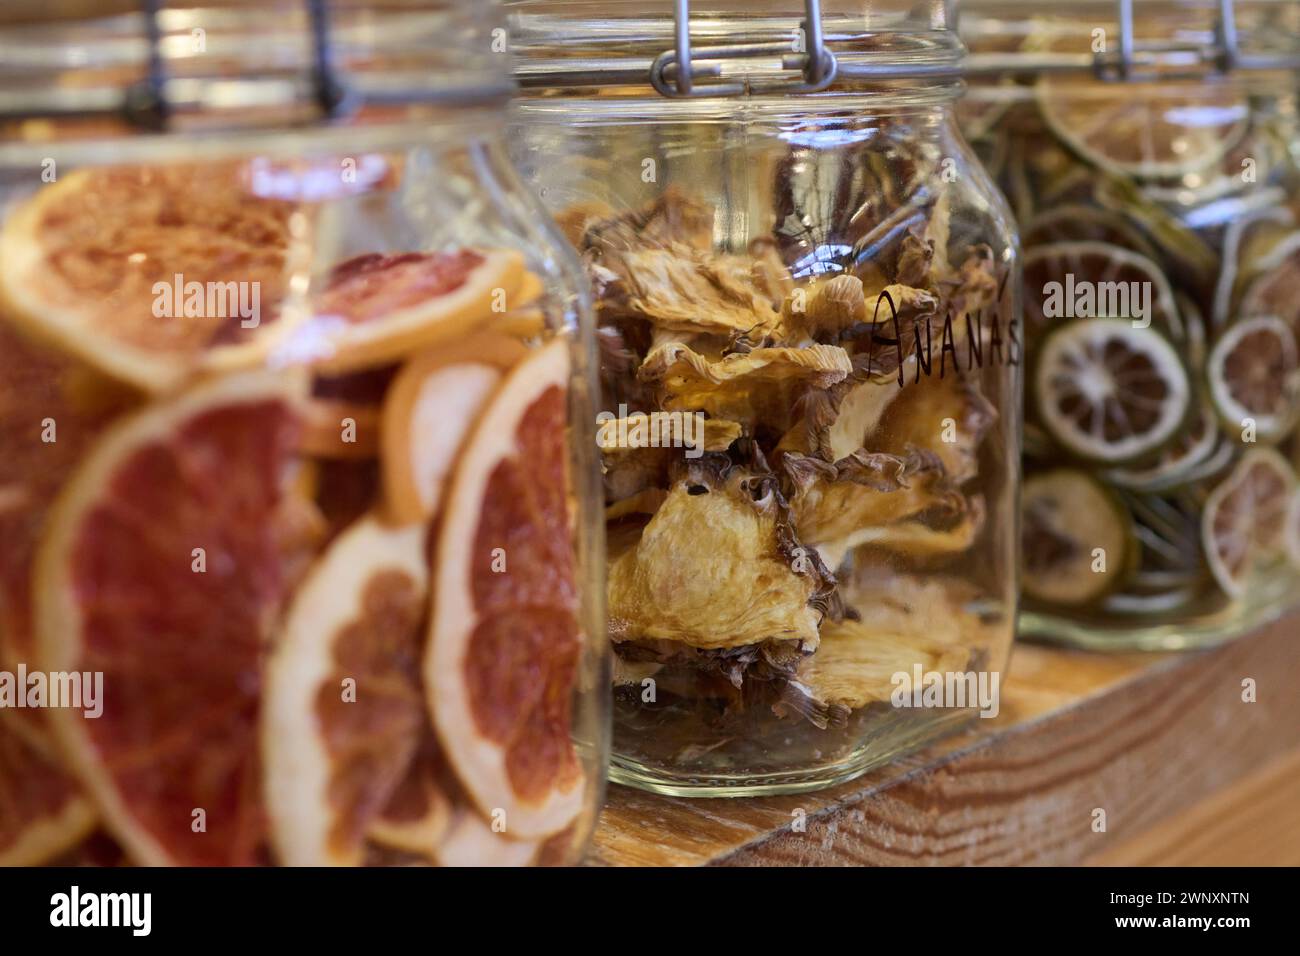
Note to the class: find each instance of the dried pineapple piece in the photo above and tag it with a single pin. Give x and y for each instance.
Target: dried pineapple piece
(678, 287)
(904, 621)
(742, 386)
(631, 465)
(947, 416)
(714, 569)
(835, 422)
(844, 503)
(918, 539)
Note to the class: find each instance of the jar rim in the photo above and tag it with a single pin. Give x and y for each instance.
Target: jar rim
(578, 44)
(128, 66)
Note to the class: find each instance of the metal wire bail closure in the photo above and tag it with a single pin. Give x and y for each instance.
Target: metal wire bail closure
(674, 72)
(146, 105)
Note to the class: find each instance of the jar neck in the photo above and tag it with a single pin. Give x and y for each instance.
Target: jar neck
(452, 126)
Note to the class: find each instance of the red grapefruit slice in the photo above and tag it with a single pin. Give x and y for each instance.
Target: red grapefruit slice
(419, 812)
(502, 658)
(470, 841)
(91, 263)
(345, 715)
(430, 408)
(116, 591)
(337, 429)
(42, 813)
(378, 308)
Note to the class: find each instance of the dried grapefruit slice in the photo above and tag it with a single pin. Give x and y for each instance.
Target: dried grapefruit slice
(42, 812)
(1244, 521)
(1253, 372)
(430, 408)
(377, 308)
(338, 429)
(344, 713)
(1109, 392)
(85, 264)
(504, 644)
(51, 411)
(117, 590)
(470, 841)
(419, 812)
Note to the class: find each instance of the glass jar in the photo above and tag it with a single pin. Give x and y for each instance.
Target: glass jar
(810, 354)
(1161, 249)
(300, 564)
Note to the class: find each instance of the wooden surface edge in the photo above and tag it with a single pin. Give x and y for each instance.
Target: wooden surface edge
(1085, 741)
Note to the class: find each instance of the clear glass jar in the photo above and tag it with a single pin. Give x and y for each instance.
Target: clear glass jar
(1161, 237)
(810, 358)
(295, 539)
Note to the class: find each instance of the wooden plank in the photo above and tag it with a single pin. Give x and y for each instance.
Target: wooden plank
(1255, 822)
(1141, 737)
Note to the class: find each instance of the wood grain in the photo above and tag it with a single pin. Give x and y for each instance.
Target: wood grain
(1142, 737)
(1255, 822)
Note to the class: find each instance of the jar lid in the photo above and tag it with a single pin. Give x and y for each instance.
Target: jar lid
(74, 69)
(1156, 40)
(731, 47)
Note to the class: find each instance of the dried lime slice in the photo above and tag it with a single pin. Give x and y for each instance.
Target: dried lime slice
(1195, 445)
(1077, 222)
(1144, 131)
(1243, 525)
(1182, 249)
(1139, 605)
(1253, 373)
(1247, 242)
(1292, 530)
(1108, 392)
(1077, 536)
(1275, 288)
(1091, 279)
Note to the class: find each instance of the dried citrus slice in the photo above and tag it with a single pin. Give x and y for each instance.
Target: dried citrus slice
(1246, 242)
(1090, 279)
(1292, 533)
(419, 813)
(531, 288)
(1275, 288)
(503, 652)
(1078, 541)
(1244, 521)
(470, 841)
(42, 812)
(333, 428)
(1076, 222)
(1253, 372)
(51, 411)
(1195, 445)
(1146, 130)
(164, 564)
(1109, 392)
(344, 711)
(430, 408)
(377, 308)
(150, 273)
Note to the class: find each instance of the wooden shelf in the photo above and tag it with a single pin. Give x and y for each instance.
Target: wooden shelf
(1186, 771)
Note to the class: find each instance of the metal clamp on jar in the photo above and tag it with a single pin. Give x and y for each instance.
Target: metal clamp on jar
(1149, 152)
(809, 359)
